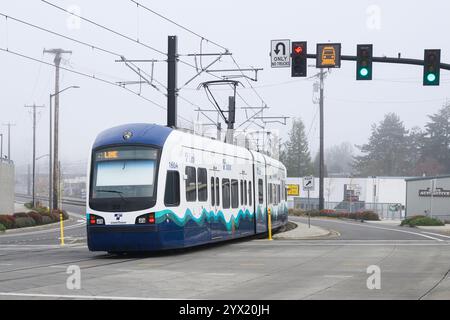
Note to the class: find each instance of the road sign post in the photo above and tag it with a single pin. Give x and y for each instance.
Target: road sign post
(308, 185)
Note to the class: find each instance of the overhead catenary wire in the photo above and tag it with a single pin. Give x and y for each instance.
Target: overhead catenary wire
(92, 46)
(179, 25)
(61, 35)
(115, 32)
(105, 28)
(264, 104)
(89, 76)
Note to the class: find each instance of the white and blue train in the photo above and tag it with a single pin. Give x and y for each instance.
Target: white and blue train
(154, 188)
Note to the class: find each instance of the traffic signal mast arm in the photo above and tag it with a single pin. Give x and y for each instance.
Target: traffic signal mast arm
(416, 62)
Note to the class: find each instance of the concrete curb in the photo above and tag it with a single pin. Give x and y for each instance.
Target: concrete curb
(302, 232)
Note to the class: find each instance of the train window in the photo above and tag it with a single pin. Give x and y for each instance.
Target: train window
(191, 184)
(278, 194)
(213, 192)
(226, 193)
(217, 192)
(234, 194)
(172, 193)
(261, 191)
(245, 192)
(242, 192)
(270, 192)
(202, 185)
(250, 193)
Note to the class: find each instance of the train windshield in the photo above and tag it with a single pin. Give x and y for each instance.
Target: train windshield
(124, 173)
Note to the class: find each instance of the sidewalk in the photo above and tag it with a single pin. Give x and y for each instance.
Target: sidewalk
(302, 232)
(444, 229)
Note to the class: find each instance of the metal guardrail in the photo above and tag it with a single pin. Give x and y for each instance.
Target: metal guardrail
(69, 201)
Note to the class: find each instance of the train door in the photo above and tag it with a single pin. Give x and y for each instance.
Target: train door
(215, 219)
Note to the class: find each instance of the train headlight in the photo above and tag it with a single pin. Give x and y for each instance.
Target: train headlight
(142, 220)
(146, 219)
(96, 220)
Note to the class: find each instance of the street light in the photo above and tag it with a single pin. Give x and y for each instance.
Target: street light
(50, 184)
(55, 174)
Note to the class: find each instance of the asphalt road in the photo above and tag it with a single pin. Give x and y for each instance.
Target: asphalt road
(413, 265)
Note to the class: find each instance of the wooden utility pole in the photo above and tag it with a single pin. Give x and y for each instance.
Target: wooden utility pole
(58, 56)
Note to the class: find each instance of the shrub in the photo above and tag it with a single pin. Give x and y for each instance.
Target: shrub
(8, 221)
(20, 215)
(47, 220)
(364, 215)
(42, 210)
(2, 228)
(421, 221)
(29, 205)
(25, 222)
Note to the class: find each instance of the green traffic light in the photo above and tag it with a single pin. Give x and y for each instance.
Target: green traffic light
(364, 72)
(431, 77)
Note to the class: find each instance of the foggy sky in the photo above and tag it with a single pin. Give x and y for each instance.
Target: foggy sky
(246, 28)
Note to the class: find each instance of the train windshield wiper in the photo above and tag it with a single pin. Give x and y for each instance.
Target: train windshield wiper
(115, 192)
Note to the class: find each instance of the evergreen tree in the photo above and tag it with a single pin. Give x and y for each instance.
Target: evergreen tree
(316, 166)
(386, 154)
(339, 159)
(436, 147)
(295, 154)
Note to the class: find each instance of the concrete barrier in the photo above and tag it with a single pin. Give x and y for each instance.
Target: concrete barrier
(7, 184)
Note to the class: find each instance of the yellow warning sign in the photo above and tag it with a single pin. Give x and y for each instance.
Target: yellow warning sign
(293, 190)
(329, 55)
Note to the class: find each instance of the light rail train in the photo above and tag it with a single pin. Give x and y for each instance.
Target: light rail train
(153, 188)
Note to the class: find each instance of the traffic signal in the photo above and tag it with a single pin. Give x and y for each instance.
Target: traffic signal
(299, 59)
(432, 68)
(364, 62)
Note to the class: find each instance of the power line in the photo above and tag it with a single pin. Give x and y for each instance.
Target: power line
(60, 35)
(115, 32)
(386, 101)
(179, 25)
(105, 28)
(76, 41)
(89, 76)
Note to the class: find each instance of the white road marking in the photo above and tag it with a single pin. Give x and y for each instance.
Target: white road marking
(389, 229)
(19, 234)
(63, 296)
(16, 247)
(436, 234)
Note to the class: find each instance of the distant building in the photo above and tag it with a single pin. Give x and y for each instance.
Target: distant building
(384, 195)
(6, 187)
(428, 196)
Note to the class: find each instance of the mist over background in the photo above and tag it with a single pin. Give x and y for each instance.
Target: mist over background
(245, 28)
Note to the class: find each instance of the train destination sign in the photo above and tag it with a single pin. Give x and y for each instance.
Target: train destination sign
(280, 53)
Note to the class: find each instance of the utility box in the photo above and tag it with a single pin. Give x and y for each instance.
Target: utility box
(7, 184)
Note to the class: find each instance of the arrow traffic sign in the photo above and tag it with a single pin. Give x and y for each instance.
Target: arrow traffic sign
(280, 54)
(308, 183)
